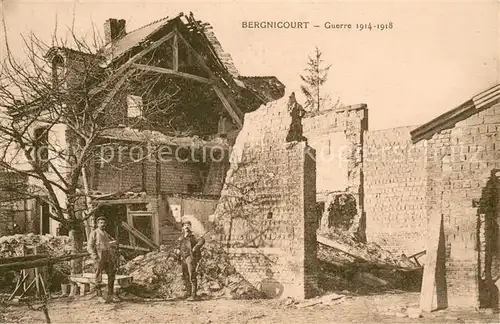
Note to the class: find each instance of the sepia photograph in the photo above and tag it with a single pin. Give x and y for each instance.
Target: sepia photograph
(249, 161)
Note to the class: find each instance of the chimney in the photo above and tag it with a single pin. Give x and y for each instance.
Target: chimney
(114, 29)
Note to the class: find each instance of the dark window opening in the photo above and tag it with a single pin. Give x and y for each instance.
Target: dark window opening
(57, 70)
(41, 151)
(192, 188)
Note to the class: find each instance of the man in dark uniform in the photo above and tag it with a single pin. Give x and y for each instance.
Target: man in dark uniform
(189, 249)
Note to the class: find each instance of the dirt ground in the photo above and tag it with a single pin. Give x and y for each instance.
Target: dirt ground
(386, 308)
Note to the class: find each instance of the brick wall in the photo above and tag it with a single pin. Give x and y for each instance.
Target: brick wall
(12, 208)
(267, 208)
(395, 189)
(175, 176)
(336, 135)
(462, 188)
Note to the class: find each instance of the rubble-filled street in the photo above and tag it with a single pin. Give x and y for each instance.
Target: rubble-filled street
(386, 308)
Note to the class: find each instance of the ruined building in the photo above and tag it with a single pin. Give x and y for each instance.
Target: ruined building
(188, 118)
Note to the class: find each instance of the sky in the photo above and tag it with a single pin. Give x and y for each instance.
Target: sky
(436, 56)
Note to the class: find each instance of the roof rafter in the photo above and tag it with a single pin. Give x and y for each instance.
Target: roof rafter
(131, 61)
(151, 68)
(228, 104)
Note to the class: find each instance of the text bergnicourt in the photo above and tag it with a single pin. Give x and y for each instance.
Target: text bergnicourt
(275, 24)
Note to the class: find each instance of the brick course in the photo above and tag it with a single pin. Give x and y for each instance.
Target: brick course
(395, 190)
(463, 189)
(267, 208)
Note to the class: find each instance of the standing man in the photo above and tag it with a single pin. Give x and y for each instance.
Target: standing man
(189, 249)
(100, 245)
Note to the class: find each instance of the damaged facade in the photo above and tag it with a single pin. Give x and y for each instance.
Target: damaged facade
(290, 173)
(186, 145)
(267, 212)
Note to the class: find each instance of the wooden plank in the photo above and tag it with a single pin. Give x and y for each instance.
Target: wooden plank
(227, 106)
(338, 246)
(197, 56)
(127, 64)
(232, 109)
(41, 262)
(23, 258)
(139, 235)
(171, 72)
(140, 213)
(113, 92)
(175, 52)
(121, 201)
(131, 237)
(433, 295)
(134, 248)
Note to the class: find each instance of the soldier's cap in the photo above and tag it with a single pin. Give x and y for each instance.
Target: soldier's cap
(101, 218)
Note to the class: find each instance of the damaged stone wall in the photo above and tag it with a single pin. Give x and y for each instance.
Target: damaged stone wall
(177, 175)
(462, 165)
(337, 137)
(266, 214)
(395, 190)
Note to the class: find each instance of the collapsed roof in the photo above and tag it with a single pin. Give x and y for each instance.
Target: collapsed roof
(265, 88)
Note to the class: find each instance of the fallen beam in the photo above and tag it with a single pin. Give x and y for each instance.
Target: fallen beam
(341, 247)
(135, 248)
(360, 262)
(23, 258)
(227, 105)
(41, 262)
(139, 235)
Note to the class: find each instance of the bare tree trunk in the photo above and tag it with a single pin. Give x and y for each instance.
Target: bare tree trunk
(88, 201)
(76, 237)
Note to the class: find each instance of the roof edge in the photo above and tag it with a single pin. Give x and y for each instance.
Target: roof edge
(480, 102)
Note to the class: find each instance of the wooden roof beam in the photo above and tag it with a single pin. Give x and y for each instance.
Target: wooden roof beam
(131, 61)
(228, 106)
(156, 69)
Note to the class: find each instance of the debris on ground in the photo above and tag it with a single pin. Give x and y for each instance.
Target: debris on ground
(159, 274)
(351, 250)
(354, 266)
(329, 299)
(12, 246)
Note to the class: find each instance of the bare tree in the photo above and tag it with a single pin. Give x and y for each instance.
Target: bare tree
(56, 104)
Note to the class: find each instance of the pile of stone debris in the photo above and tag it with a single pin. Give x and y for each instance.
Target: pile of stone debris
(16, 245)
(350, 265)
(346, 249)
(159, 274)
(11, 246)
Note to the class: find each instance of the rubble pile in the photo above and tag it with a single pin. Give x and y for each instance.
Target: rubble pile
(11, 246)
(159, 274)
(364, 252)
(354, 266)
